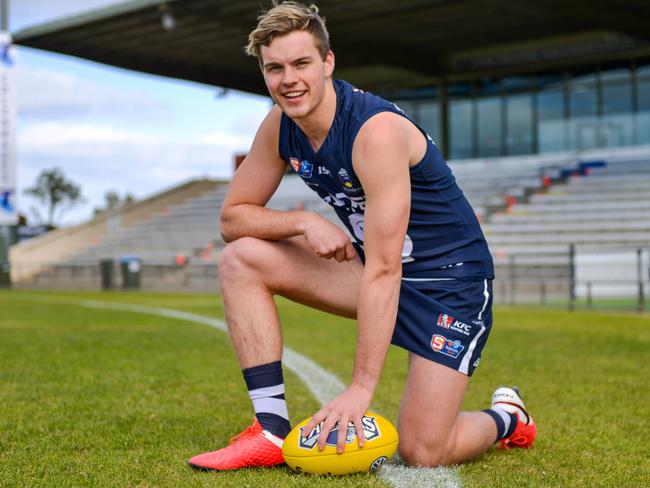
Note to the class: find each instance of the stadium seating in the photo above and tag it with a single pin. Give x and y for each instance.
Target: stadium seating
(490, 184)
(177, 244)
(532, 209)
(600, 209)
(185, 229)
(65, 245)
(608, 206)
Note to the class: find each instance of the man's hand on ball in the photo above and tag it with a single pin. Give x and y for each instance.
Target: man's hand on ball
(349, 406)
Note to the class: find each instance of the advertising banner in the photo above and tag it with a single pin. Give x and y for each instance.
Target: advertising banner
(8, 213)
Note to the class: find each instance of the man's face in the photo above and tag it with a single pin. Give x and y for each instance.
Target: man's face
(295, 74)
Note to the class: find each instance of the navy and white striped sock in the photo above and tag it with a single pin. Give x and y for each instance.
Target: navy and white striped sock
(506, 422)
(266, 389)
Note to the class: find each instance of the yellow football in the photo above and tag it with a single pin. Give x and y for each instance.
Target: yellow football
(302, 455)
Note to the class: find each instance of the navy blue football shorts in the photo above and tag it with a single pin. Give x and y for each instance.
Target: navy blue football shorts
(445, 321)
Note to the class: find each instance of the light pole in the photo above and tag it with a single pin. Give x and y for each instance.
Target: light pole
(4, 15)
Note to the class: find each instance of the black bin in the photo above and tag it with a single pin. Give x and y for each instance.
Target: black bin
(5, 276)
(106, 271)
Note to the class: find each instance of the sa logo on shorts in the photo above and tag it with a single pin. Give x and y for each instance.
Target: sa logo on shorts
(441, 344)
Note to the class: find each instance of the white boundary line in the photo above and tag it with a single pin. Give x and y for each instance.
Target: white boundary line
(323, 385)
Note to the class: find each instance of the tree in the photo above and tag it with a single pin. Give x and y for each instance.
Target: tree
(55, 192)
(113, 201)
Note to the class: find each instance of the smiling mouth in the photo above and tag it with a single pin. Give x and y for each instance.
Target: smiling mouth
(293, 94)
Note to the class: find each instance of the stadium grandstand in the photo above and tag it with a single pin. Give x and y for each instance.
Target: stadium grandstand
(542, 108)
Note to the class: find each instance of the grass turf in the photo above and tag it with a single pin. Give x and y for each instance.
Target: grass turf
(105, 398)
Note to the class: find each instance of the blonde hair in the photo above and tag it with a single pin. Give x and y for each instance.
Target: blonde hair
(284, 18)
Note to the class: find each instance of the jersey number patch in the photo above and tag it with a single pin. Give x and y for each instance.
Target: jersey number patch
(356, 222)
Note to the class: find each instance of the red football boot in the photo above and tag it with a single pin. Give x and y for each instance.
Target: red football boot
(524, 435)
(252, 448)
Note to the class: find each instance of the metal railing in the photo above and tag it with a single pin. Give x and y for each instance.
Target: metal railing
(579, 277)
(575, 278)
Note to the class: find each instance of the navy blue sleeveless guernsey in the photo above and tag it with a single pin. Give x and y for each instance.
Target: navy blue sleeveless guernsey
(444, 239)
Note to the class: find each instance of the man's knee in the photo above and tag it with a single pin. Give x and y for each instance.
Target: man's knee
(238, 257)
(417, 451)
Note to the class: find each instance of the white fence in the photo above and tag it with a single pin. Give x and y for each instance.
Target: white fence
(612, 274)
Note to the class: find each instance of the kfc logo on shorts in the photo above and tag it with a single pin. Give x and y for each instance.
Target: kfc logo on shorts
(446, 346)
(461, 327)
(445, 320)
(448, 322)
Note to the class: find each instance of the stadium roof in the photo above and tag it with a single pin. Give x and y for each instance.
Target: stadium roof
(379, 44)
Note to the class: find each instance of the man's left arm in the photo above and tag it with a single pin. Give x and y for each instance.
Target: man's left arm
(381, 161)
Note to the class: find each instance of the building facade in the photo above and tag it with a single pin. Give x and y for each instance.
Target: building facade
(594, 106)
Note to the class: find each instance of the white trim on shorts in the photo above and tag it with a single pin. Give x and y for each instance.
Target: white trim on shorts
(464, 364)
(428, 279)
(486, 294)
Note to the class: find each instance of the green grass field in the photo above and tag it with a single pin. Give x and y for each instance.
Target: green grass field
(121, 399)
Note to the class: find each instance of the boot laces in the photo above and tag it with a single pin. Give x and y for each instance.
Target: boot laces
(519, 440)
(252, 429)
(516, 439)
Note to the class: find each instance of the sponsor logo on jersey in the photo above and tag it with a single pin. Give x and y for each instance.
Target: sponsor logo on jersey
(295, 164)
(441, 344)
(348, 186)
(303, 168)
(306, 169)
(345, 178)
(370, 431)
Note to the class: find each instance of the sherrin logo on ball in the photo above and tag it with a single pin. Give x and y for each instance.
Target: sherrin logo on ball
(302, 455)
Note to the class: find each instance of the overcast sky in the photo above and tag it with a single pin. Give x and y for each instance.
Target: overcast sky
(112, 129)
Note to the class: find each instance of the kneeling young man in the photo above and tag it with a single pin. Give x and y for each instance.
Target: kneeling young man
(418, 274)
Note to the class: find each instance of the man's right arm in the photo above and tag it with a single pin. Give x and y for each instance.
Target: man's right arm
(253, 184)
(243, 213)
